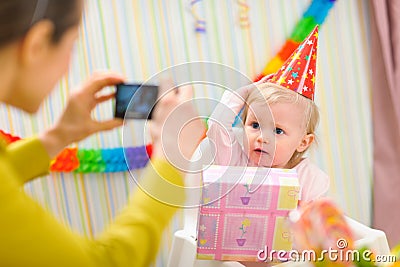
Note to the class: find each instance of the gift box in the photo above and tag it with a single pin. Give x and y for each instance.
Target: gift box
(243, 216)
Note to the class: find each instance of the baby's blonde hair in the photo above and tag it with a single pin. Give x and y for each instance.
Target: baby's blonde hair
(272, 93)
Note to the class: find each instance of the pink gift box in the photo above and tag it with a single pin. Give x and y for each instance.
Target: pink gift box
(244, 211)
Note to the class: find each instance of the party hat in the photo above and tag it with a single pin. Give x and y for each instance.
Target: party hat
(298, 72)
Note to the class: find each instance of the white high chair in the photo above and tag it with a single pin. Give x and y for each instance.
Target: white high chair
(184, 245)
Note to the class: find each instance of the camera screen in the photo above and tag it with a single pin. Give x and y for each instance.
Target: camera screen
(135, 101)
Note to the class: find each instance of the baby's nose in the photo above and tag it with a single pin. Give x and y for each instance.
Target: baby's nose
(263, 139)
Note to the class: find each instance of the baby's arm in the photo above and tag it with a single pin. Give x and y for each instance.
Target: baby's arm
(220, 132)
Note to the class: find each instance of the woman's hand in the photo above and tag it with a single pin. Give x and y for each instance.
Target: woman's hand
(176, 127)
(77, 123)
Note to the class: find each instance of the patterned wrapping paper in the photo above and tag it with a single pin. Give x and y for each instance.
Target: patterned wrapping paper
(245, 211)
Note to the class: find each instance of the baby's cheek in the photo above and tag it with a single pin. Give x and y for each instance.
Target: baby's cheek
(246, 143)
(277, 156)
(246, 146)
(245, 138)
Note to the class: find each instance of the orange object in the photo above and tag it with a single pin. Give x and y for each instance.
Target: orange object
(287, 49)
(66, 161)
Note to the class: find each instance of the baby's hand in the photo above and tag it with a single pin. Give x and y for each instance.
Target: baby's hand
(176, 128)
(245, 91)
(265, 79)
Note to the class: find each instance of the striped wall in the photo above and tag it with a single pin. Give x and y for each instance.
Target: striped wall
(140, 38)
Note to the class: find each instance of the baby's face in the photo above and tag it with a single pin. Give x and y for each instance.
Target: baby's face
(272, 140)
(259, 138)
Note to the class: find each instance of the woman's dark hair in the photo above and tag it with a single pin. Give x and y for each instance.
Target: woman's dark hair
(18, 16)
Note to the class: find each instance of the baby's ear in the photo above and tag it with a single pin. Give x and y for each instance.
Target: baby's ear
(305, 142)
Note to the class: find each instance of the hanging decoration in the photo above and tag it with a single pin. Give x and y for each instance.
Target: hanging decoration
(200, 26)
(95, 160)
(243, 14)
(314, 15)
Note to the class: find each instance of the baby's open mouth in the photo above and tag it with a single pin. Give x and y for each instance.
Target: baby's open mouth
(259, 150)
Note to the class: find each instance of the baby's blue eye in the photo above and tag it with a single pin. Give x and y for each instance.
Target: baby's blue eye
(279, 131)
(255, 125)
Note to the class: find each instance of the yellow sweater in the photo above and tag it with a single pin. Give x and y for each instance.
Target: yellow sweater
(31, 236)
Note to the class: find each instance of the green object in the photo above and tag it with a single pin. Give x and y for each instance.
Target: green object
(396, 252)
(90, 155)
(363, 261)
(83, 168)
(88, 167)
(303, 29)
(324, 263)
(99, 167)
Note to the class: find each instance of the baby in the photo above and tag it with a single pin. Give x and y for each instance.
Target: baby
(279, 120)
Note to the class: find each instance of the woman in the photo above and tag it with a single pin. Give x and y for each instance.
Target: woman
(36, 39)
